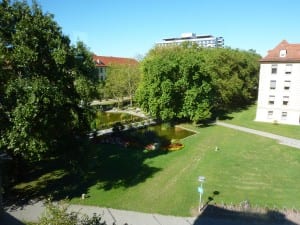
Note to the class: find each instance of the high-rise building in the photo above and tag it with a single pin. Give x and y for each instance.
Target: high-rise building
(279, 85)
(201, 40)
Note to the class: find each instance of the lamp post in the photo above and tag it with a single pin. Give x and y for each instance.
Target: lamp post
(201, 179)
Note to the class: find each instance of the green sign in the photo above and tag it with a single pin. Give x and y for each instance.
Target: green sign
(200, 190)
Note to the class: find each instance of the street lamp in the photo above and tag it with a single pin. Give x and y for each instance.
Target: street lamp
(201, 179)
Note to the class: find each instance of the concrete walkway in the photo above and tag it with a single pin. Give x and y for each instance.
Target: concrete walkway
(281, 139)
(32, 213)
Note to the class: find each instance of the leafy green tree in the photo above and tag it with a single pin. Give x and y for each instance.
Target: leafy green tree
(175, 85)
(85, 74)
(195, 83)
(43, 94)
(234, 76)
(122, 81)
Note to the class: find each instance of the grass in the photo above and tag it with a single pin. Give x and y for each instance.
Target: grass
(246, 167)
(246, 118)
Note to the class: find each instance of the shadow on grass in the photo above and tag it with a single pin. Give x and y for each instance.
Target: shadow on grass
(215, 215)
(109, 165)
(225, 115)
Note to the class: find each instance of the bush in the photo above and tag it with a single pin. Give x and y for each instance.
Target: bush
(57, 214)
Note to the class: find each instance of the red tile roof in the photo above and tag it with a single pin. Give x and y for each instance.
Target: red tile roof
(103, 61)
(292, 53)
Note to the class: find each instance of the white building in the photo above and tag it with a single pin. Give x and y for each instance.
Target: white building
(279, 85)
(202, 40)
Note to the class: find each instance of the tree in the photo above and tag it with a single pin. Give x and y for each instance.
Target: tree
(194, 83)
(174, 84)
(234, 76)
(122, 81)
(43, 83)
(85, 74)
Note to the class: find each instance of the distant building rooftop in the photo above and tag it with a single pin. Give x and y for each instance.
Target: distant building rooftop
(206, 40)
(104, 61)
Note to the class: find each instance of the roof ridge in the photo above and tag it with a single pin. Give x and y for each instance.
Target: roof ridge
(292, 52)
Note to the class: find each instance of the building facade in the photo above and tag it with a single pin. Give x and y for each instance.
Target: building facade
(279, 85)
(103, 62)
(201, 40)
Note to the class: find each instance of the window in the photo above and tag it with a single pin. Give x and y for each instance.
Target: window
(285, 100)
(274, 69)
(282, 53)
(283, 115)
(287, 84)
(288, 68)
(272, 84)
(271, 99)
(270, 114)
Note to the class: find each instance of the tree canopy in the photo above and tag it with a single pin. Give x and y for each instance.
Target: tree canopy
(194, 83)
(44, 82)
(122, 81)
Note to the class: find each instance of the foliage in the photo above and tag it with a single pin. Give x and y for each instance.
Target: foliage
(44, 87)
(122, 81)
(193, 83)
(59, 214)
(85, 74)
(234, 77)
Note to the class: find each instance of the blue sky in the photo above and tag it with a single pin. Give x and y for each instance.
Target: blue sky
(128, 28)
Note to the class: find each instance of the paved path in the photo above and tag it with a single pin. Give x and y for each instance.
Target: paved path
(281, 139)
(33, 212)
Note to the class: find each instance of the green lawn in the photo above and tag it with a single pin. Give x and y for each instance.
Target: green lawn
(246, 118)
(246, 167)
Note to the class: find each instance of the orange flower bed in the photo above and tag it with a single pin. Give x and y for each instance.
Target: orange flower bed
(174, 147)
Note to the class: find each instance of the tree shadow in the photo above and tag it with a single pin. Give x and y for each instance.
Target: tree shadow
(215, 215)
(109, 165)
(224, 114)
(7, 219)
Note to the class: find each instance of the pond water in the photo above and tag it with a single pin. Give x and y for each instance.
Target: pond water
(168, 131)
(164, 130)
(108, 118)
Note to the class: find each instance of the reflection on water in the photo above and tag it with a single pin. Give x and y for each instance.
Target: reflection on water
(105, 117)
(164, 130)
(170, 132)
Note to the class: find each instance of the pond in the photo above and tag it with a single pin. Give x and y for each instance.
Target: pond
(107, 119)
(169, 131)
(165, 130)
(114, 117)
